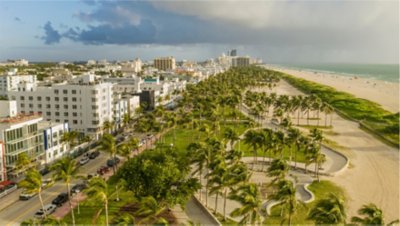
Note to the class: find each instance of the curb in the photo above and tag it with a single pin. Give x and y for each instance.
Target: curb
(206, 211)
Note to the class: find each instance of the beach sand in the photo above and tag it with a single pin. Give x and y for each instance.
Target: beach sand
(373, 173)
(384, 93)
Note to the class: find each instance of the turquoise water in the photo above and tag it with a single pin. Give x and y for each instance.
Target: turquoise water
(385, 72)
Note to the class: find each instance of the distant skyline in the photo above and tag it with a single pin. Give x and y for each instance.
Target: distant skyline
(275, 31)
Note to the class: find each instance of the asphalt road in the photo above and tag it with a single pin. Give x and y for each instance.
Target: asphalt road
(23, 210)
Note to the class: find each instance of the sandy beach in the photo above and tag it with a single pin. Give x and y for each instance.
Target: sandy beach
(373, 172)
(384, 93)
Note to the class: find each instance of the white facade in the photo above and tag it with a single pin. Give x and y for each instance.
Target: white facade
(132, 67)
(124, 105)
(128, 84)
(8, 108)
(10, 81)
(3, 171)
(54, 148)
(84, 104)
(162, 88)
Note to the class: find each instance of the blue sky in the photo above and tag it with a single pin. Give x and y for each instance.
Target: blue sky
(276, 31)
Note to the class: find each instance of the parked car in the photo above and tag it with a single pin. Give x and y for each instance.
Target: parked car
(83, 161)
(49, 209)
(44, 171)
(149, 136)
(92, 175)
(113, 161)
(94, 154)
(25, 195)
(60, 199)
(46, 183)
(102, 170)
(120, 139)
(78, 188)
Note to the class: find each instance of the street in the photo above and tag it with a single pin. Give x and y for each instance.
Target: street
(23, 210)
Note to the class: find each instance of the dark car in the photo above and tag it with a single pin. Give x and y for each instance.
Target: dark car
(120, 139)
(60, 199)
(78, 188)
(94, 154)
(113, 161)
(102, 170)
(44, 171)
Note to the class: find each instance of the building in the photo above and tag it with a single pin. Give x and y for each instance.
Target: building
(125, 85)
(240, 61)
(19, 134)
(53, 146)
(10, 81)
(165, 63)
(84, 103)
(3, 172)
(160, 88)
(147, 99)
(233, 53)
(132, 67)
(124, 105)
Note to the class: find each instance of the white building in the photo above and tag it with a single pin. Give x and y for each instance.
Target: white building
(54, 148)
(3, 172)
(127, 84)
(10, 81)
(85, 104)
(160, 88)
(124, 105)
(132, 67)
(20, 134)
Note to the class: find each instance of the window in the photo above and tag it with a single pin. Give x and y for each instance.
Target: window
(65, 106)
(31, 105)
(48, 106)
(75, 122)
(73, 91)
(57, 120)
(65, 113)
(95, 122)
(74, 107)
(30, 97)
(39, 105)
(48, 98)
(94, 99)
(65, 98)
(73, 99)
(22, 98)
(56, 91)
(22, 105)
(56, 99)
(57, 113)
(39, 98)
(74, 114)
(94, 91)
(48, 113)
(94, 106)
(57, 106)
(65, 91)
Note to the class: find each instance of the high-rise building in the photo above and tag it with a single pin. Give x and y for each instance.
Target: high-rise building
(165, 63)
(233, 53)
(240, 61)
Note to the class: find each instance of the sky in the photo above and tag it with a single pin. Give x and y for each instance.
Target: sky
(294, 31)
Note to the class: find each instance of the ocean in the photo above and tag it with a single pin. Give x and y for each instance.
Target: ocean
(385, 72)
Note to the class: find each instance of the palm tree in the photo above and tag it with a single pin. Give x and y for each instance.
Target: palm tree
(294, 137)
(254, 139)
(278, 169)
(108, 144)
(66, 169)
(248, 196)
(133, 143)
(150, 210)
(231, 135)
(33, 184)
(199, 158)
(372, 215)
(125, 219)
(98, 190)
(107, 126)
(330, 210)
(23, 162)
(70, 138)
(124, 150)
(126, 119)
(286, 195)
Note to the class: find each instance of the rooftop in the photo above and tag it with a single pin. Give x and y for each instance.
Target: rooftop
(20, 118)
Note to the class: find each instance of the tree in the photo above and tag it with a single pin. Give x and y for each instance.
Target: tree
(124, 219)
(372, 215)
(99, 192)
(150, 210)
(124, 150)
(70, 138)
(231, 135)
(248, 196)
(278, 169)
(108, 126)
(330, 210)
(254, 139)
(23, 162)
(133, 144)
(108, 144)
(285, 194)
(66, 169)
(33, 184)
(294, 137)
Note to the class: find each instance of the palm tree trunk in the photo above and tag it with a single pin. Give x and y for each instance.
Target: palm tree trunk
(41, 203)
(216, 203)
(308, 116)
(290, 219)
(201, 184)
(70, 204)
(225, 204)
(298, 117)
(318, 118)
(106, 208)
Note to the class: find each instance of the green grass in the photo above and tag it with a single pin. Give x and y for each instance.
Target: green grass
(379, 121)
(320, 189)
(89, 208)
(248, 152)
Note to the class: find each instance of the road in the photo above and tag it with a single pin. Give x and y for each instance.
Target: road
(23, 210)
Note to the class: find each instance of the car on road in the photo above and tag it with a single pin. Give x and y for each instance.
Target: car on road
(49, 209)
(83, 161)
(120, 139)
(102, 170)
(94, 154)
(44, 171)
(78, 188)
(25, 195)
(113, 161)
(60, 199)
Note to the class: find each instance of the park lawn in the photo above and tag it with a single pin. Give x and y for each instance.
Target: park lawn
(185, 136)
(321, 190)
(248, 152)
(89, 208)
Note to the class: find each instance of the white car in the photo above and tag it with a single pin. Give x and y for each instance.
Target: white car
(49, 208)
(84, 160)
(25, 195)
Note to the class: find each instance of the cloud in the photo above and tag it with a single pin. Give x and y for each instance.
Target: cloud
(17, 19)
(51, 36)
(300, 29)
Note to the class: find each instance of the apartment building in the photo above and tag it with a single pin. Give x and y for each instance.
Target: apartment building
(10, 80)
(240, 61)
(19, 134)
(165, 63)
(84, 103)
(3, 175)
(134, 66)
(160, 88)
(129, 84)
(124, 105)
(53, 146)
